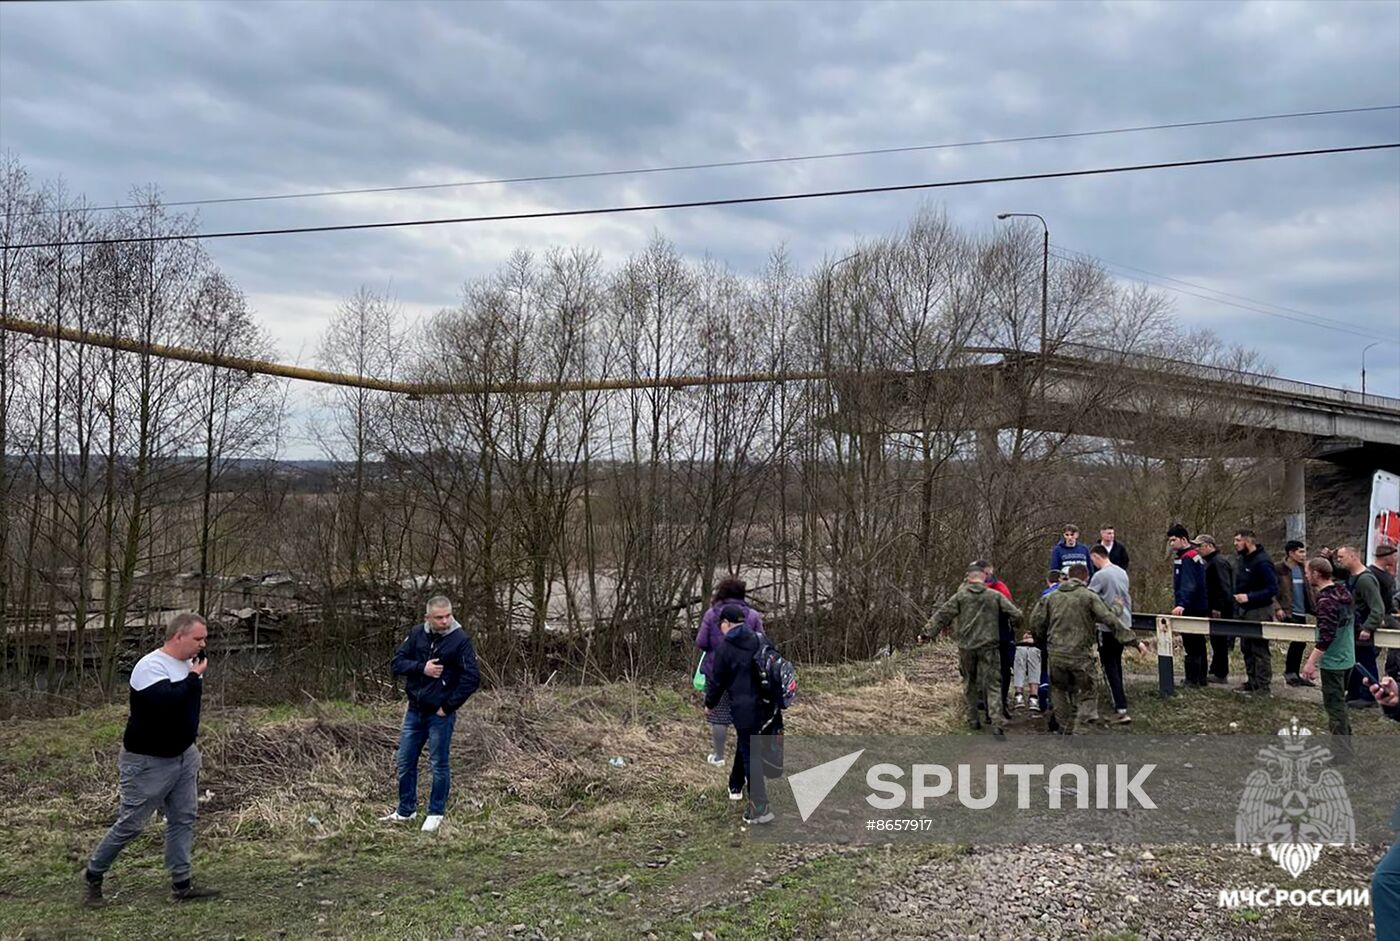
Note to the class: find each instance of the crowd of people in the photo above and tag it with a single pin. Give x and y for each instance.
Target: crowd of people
(1052, 659)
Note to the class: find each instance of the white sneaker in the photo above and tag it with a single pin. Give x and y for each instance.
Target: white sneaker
(714, 759)
(395, 817)
(736, 795)
(431, 823)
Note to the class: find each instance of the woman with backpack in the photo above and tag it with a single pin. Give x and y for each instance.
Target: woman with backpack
(728, 591)
(737, 680)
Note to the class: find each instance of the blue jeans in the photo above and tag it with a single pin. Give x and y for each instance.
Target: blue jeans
(1385, 896)
(436, 731)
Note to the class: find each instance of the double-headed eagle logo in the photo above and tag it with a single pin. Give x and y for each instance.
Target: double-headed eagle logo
(1293, 806)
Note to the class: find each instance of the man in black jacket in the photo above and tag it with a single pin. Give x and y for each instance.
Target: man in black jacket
(159, 762)
(1256, 586)
(736, 673)
(439, 665)
(1220, 596)
(1117, 552)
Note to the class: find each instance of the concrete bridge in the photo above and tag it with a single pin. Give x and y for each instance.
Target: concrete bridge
(1165, 408)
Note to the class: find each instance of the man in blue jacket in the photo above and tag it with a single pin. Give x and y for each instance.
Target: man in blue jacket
(1256, 586)
(1189, 599)
(736, 673)
(1070, 551)
(439, 665)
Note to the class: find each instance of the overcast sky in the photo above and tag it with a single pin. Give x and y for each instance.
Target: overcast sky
(214, 100)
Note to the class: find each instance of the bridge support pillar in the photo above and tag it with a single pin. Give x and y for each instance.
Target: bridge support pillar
(1295, 518)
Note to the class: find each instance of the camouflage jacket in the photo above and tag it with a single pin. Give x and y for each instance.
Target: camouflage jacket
(974, 612)
(1065, 620)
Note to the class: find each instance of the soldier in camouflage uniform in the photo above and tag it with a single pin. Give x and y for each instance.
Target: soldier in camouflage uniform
(974, 611)
(1065, 620)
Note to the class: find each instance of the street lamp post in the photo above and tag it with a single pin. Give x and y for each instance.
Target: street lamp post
(1363, 363)
(1044, 271)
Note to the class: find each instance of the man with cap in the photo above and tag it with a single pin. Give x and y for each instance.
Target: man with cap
(975, 613)
(1220, 596)
(1067, 620)
(1189, 599)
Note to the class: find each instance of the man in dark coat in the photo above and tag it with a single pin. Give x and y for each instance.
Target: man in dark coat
(1220, 596)
(1256, 586)
(440, 673)
(736, 674)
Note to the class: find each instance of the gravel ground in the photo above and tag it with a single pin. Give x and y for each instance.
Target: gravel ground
(1105, 893)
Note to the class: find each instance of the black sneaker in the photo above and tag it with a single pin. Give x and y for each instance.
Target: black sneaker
(1361, 703)
(188, 892)
(1293, 679)
(1219, 680)
(92, 890)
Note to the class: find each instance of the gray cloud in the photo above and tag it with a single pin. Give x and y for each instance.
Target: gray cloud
(211, 100)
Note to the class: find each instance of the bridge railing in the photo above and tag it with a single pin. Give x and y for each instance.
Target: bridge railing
(1167, 626)
(1293, 387)
(1072, 351)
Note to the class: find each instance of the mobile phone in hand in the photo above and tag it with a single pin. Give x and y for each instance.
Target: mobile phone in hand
(199, 657)
(1371, 677)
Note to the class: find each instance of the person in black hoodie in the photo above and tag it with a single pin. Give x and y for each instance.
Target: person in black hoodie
(735, 673)
(1256, 586)
(440, 669)
(1220, 596)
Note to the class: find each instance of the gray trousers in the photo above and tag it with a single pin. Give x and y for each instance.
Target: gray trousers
(148, 783)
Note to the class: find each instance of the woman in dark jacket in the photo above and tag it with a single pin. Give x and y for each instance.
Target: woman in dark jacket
(736, 679)
(729, 590)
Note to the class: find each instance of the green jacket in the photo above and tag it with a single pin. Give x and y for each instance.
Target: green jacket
(974, 611)
(1370, 606)
(1065, 621)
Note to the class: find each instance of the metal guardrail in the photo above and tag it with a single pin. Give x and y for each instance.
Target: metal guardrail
(1166, 626)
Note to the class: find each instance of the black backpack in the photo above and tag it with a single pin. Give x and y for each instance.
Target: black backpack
(776, 677)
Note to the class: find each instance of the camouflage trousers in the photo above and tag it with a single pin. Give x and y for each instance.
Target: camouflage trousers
(1074, 693)
(981, 674)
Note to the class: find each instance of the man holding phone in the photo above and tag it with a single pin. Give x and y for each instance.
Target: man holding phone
(439, 664)
(159, 763)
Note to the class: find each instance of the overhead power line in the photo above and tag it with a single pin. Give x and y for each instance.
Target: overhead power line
(758, 161)
(707, 203)
(1249, 303)
(1354, 331)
